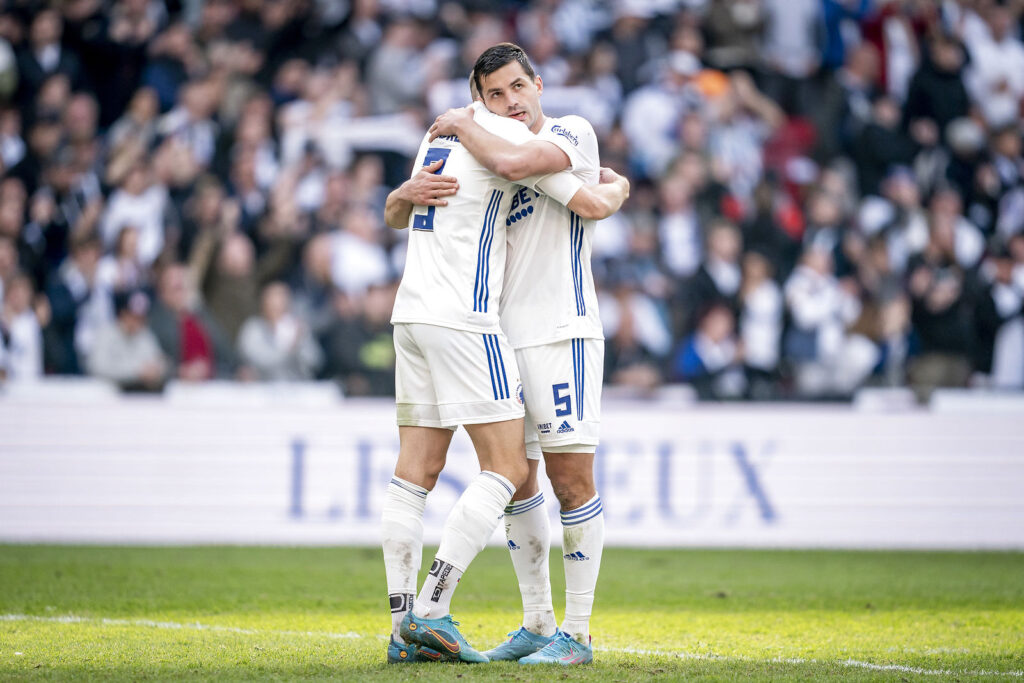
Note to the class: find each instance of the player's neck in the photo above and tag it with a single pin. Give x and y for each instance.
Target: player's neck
(538, 125)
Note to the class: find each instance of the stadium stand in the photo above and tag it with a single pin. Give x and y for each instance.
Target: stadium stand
(827, 195)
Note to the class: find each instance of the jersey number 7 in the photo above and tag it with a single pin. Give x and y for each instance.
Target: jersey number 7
(425, 221)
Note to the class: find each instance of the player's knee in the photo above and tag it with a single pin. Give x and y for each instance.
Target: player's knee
(519, 474)
(528, 489)
(572, 493)
(422, 473)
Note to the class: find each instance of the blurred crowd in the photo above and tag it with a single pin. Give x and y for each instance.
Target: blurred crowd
(826, 194)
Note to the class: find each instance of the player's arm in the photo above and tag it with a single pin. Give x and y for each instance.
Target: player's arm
(424, 188)
(597, 202)
(500, 156)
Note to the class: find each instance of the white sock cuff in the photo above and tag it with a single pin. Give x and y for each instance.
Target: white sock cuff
(404, 504)
(518, 507)
(505, 483)
(586, 512)
(407, 486)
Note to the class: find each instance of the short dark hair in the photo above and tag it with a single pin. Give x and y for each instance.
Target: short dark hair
(497, 56)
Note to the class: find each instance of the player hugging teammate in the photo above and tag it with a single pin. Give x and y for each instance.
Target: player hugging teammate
(497, 308)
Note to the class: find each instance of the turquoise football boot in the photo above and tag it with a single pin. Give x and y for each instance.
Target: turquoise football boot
(563, 649)
(521, 644)
(400, 654)
(440, 635)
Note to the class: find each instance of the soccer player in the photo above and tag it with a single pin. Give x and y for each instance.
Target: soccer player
(454, 366)
(549, 313)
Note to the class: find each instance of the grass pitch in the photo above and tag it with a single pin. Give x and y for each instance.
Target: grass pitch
(229, 613)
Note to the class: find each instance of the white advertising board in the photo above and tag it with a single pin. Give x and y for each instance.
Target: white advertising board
(145, 470)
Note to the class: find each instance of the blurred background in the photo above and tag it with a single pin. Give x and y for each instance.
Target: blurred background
(812, 299)
(827, 194)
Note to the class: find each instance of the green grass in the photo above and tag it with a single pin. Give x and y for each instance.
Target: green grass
(287, 613)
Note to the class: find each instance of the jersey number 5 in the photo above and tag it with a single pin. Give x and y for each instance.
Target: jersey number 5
(425, 221)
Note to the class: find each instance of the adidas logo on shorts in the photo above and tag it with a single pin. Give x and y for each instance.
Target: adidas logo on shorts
(577, 556)
(565, 428)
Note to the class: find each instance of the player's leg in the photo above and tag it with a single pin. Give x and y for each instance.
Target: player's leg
(528, 535)
(569, 463)
(477, 512)
(423, 445)
(572, 478)
(476, 379)
(421, 457)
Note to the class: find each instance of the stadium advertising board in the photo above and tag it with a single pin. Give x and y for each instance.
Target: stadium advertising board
(149, 471)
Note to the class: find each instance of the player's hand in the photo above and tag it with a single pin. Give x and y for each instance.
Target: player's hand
(610, 176)
(427, 189)
(449, 122)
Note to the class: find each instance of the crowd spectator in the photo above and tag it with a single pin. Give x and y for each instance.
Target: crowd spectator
(826, 193)
(125, 350)
(193, 341)
(829, 360)
(80, 305)
(20, 331)
(760, 325)
(275, 344)
(711, 358)
(358, 343)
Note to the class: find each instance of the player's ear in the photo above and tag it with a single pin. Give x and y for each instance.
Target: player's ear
(537, 81)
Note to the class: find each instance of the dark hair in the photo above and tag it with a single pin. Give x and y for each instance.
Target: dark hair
(497, 56)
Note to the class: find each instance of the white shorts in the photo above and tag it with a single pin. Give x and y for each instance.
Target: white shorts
(562, 386)
(446, 377)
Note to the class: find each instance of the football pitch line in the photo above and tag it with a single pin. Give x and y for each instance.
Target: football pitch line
(351, 635)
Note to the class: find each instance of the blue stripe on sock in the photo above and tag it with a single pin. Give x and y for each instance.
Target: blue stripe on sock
(510, 490)
(407, 487)
(525, 505)
(581, 511)
(574, 522)
(522, 503)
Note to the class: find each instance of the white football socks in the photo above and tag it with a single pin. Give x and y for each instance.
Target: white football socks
(582, 543)
(402, 534)
(466, 531)
(528, 531)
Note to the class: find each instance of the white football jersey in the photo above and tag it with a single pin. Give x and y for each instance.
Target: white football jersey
(549, 290)
(455, 264)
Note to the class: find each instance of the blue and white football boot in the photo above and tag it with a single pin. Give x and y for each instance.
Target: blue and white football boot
(563, 649)
(521, 644)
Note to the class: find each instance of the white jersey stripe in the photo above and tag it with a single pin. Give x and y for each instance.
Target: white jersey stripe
(496, 366)
(575, 244)
(491, 365)
(578, 370)
(483, 253)
(490, 241)
(501, 366)
(582, 307)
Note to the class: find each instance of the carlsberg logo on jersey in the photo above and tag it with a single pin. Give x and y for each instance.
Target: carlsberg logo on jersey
(565, 133)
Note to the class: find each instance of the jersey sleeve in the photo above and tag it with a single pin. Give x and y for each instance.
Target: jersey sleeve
(561, 186)
(421, 155)
(575, 136)
(514, 131)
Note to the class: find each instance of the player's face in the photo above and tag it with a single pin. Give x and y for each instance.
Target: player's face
(510, 92)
